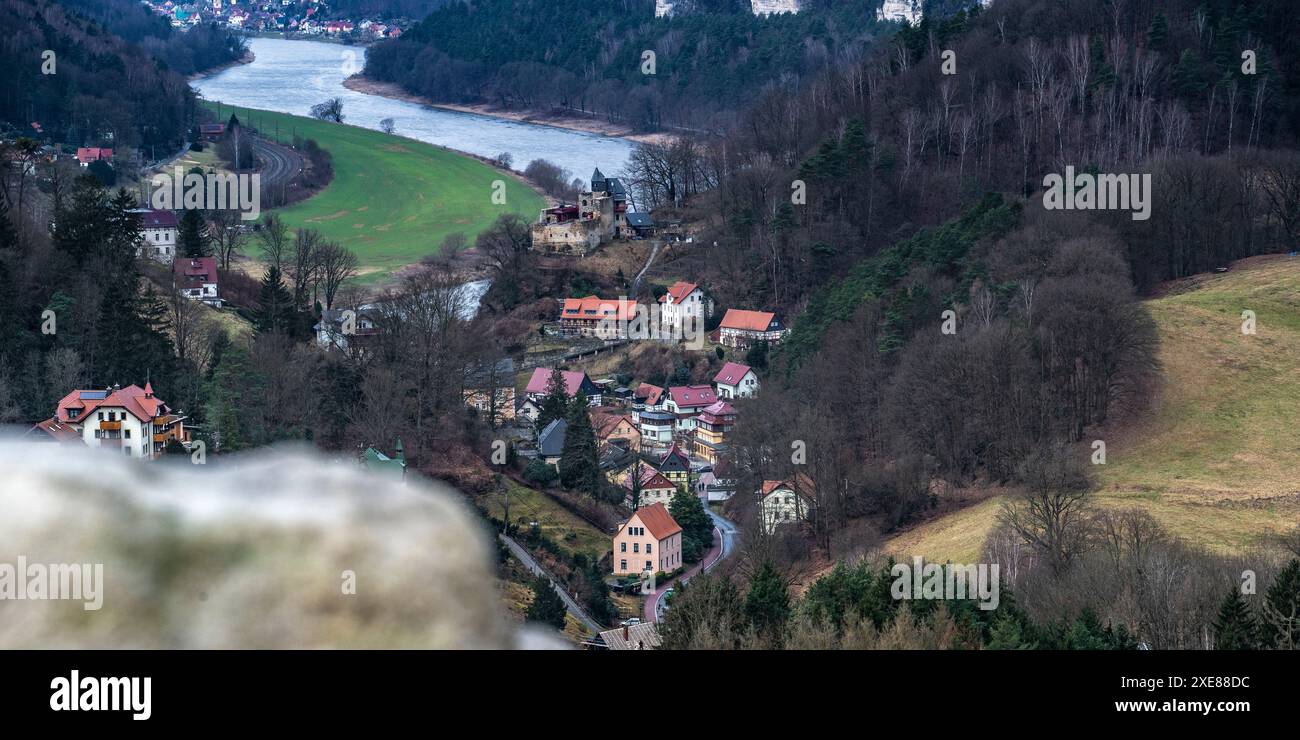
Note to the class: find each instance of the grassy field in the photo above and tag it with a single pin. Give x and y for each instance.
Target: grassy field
(571, 532)
(392, 199)
(1217, 458)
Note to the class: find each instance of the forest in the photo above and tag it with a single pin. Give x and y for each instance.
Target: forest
(542, 54)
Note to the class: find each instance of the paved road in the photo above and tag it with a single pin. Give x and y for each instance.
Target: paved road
(522, 555)
(725, 534)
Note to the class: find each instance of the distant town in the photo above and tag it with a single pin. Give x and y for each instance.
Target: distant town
(291, 17)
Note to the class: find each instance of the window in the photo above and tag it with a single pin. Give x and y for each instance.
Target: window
(649, 565)
(126, 451)
(636, 547)
(622, 565)
(648, 548)
(622, 547)
(127, 432)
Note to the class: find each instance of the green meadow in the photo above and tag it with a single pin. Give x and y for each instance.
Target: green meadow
(392, 199)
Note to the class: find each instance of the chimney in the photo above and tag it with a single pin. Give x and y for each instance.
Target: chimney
(626, 634)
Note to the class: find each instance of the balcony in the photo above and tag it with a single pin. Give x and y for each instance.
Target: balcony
(111, 425)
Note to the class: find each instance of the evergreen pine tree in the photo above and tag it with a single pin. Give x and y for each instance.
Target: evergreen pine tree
(555, 404)
(579, 463)
(191, 240)
(275, 305)
(547, 606)
(697, 527)
(767, 605)
(1235, 628)
(1280, 621)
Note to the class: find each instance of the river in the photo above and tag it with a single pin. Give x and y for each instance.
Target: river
(292, 76)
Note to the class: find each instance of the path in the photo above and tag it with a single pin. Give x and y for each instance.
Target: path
(522, 556)
(654, 252)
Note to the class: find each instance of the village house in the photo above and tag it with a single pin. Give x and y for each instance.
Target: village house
(599, 216)
(129, 419)
(575, 381)
(676, 467)
(683, 309)
(644, 636)
(609, 426)
(392, 467)
(88, 154)
(717, 483)
(657, 428)
(158, 232)
(491, 391)
(712, 427)
(550, 443)
(741, 328)
(735, 380)
(785, 501)
(646, 397)
(685, 401)
(655, 488)
(597, 317)
(196, 279)
(650, 541)
(341, 328)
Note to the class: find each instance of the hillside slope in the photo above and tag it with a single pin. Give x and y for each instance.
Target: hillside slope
(1217, 458)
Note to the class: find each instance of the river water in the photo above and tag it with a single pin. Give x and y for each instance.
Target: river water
(292, 76)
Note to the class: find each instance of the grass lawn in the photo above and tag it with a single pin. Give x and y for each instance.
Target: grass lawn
(1215, 458)
(571, 532)
(392, 199)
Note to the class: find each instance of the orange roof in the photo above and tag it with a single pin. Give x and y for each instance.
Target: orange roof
(657, 521)
(651, 393)
(731, 373)
(592, 308)
(604, 423)
(747, 320)
(59, 431)
(678, 291)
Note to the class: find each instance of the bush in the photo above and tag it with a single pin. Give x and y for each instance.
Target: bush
(540, 473)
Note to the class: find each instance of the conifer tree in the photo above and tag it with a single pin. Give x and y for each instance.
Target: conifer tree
(767, 605)
(1235, 628)
(275, 306)
(547, 606)
(579, 463)
(1280, 621)
(190, 239)
(555, 405)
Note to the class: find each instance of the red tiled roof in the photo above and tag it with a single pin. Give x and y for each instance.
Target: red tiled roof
(678, 291)
(731, 373)
(651, 393)
(139, 402)
(746, 320)
(657, 521)
(88, 154)
(603, 423)
(800, 484)
(58, 430)
(692, 395)
(542, 376)
(592, 308)
(193, 272)
(156, 219)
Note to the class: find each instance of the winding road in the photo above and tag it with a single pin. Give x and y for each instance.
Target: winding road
(725, 535)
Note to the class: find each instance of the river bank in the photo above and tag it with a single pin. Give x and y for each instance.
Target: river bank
(248, 58)
(365, 85)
